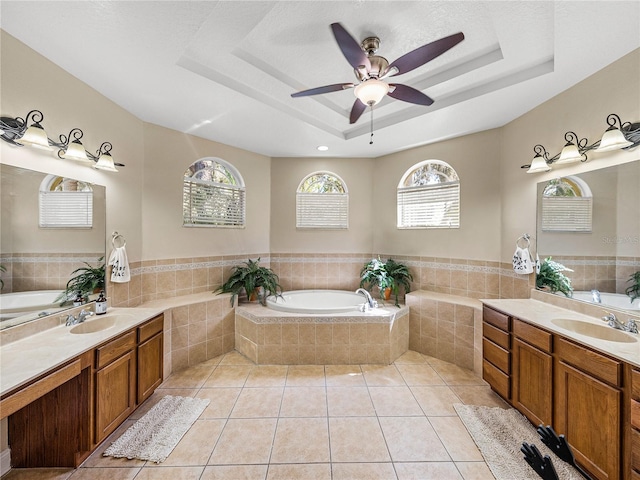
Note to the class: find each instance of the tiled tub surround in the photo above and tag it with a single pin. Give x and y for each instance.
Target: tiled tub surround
(447, 327)
(267, 336)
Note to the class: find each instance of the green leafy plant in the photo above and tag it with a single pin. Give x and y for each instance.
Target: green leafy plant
(86, 280)
(633, 290)
(254, 280)
(552, 278)
(401, 277)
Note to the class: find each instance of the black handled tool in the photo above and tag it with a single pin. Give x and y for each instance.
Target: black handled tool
(542, 465)
(558, 445)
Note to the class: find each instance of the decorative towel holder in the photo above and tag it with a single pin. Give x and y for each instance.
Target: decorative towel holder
(117, 238)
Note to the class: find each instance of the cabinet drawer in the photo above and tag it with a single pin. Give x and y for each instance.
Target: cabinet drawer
(635, 384)
(597, 365)
(497, 319)
(498, 380)
(497, 336)
(496, 355)
(150, 328)
(635, 449)
(532, 335)
(635, 414)
(114, 349)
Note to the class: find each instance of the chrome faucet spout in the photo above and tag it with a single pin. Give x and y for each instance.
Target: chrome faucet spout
(595, 296)
(370, 301)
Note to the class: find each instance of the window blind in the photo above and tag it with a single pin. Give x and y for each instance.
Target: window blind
(322, 210)
(430, 206)
(66, 209)
(212, 204)
(567, 214)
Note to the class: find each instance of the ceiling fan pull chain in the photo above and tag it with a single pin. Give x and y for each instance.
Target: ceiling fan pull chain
(371, 138)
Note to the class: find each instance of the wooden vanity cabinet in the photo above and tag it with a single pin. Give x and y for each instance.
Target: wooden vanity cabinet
(496, 351)
(150, 357)
(532, 378)
(634, 437)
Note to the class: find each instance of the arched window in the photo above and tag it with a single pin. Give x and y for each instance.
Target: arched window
(429, 196)
(322, 201)
(567, 205)
(65, 203)
(213, 195)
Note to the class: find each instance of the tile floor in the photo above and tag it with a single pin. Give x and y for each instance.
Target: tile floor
(310, 422)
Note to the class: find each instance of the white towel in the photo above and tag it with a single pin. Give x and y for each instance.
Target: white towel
(522, 261)
(120, 273)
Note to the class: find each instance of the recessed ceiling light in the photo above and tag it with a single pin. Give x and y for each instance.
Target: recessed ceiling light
(322, 148)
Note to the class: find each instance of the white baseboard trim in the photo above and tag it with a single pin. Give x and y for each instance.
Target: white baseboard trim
(5, 461)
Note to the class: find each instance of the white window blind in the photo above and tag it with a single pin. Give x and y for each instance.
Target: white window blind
(66, 209)
(322, 210)
(566, 214)
(429, 206)
(213, 204)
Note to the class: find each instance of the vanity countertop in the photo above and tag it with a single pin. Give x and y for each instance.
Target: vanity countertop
(541, 314)
(24, 360)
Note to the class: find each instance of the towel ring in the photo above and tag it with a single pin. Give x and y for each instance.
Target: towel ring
(117, 238)
(526, 238)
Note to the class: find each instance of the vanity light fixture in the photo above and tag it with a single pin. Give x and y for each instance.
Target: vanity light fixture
(618, 136)
(17, 131)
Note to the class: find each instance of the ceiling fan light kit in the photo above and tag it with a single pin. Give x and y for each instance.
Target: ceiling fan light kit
(370, 70)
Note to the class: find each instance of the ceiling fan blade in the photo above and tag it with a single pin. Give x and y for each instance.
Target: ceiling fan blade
(424, 54)
(351, 49)
(356, 111)
(325, 89)
(408, 94)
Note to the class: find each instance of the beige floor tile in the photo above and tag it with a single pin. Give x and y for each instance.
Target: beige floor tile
(197, 444)
(221, 402)
(414, 374)
(39, 474)
(382, 375)
(474, 471)
(362, 471)
(410, 357)
(314, 471)
(258, 402)
(235, 472)
(105, 474)
(304, 402)
(192, 377)
(394, 402)
(228, 376)
(301, 440)
(454, 375)
(357, 439)
(235, 358)
(456, 439)
(306, 376)
(344, 376)
(427, 470)
(170, 473)
(479, 395)
(349, 402)
(435, 400)
(245, 441)
(412, 439)
(267, 376)
(97, 460)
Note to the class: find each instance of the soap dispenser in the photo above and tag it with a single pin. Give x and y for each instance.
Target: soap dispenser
(78, 300)
(101, 304)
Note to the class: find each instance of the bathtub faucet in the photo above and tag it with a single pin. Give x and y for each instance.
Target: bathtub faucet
(370, 303)
(595, 296)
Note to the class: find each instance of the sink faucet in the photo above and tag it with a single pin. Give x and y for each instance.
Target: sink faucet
(595, 296)
(82, 316)
(370, 303)
(613, 322)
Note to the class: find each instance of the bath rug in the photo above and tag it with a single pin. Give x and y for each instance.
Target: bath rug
(154, 436)
(499, 434)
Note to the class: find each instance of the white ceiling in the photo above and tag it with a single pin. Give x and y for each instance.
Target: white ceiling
(225, 70)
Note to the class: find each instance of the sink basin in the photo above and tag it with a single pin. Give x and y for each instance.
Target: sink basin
(99, 324)
(593, 330)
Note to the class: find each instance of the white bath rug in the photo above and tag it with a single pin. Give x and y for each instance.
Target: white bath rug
(154, 436)
(499, 434)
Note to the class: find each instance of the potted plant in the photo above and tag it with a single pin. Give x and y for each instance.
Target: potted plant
(633, 290)
(552, 279)
(374, 274)
(86, 280)
(400, 276)
(258, 282)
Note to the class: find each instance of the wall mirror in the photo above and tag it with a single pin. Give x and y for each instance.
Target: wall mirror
(50, 226)
(590, 222)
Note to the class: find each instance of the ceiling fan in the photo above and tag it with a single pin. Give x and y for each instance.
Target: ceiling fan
(370, 70)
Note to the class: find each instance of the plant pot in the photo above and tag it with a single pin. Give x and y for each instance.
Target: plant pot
(386, 293)
(255, 295)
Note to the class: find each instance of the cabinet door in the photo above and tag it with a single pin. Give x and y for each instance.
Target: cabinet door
(115, 394)
(532, 382)
(588, 413)
(150, 364)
